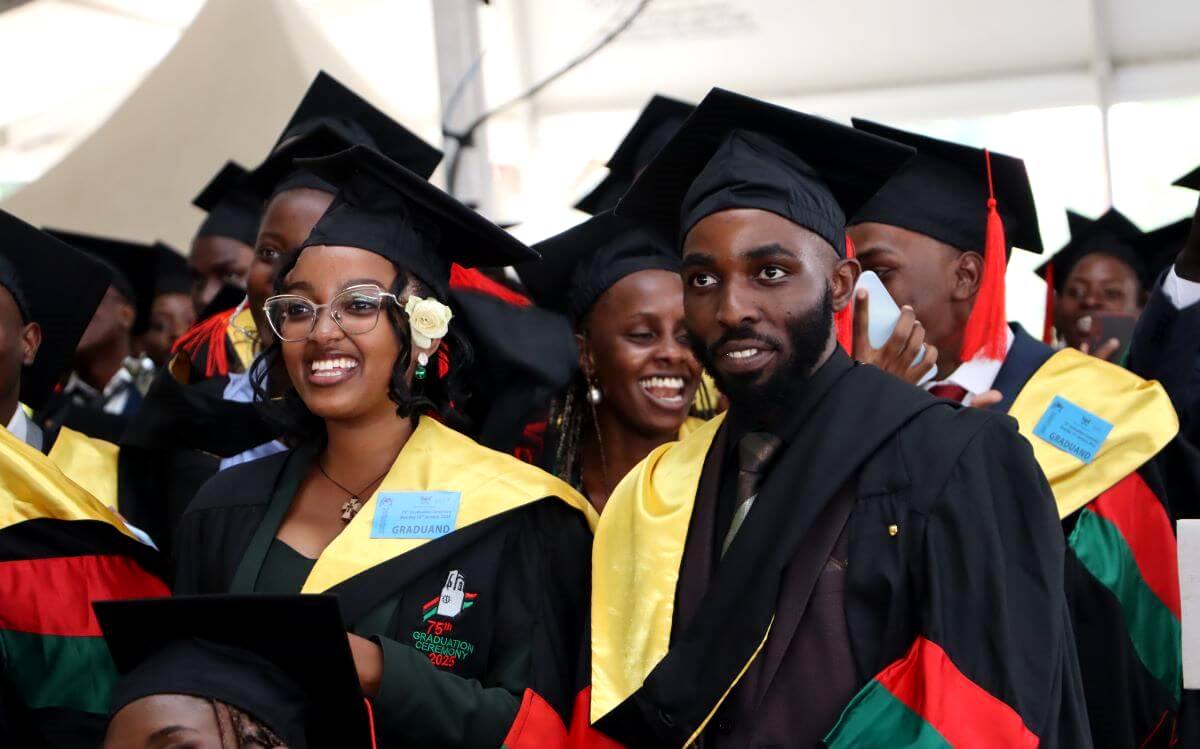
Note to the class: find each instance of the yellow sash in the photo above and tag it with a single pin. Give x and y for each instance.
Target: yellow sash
(32, 487)
(1143, 420)
(635, 565)
(89, 462)
(437, 458)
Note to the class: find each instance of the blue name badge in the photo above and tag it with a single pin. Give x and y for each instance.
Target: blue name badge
(1072, 429)
(415, 514)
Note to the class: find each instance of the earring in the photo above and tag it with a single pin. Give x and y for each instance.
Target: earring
(422, 362)
(594, 395)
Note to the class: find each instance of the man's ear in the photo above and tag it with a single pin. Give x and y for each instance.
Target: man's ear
(845, 276)
(126, 315)
(31, 340)
(968, 275)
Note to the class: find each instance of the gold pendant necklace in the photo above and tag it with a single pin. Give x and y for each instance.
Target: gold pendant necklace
(351, 506)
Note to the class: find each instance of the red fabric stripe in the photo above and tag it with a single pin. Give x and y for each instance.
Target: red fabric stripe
(964, 713)
(582, 735)
(1139, 515)
(54, 596)
(537, 725)
(472, 280)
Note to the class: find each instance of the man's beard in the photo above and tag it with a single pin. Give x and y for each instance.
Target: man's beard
(808, 335)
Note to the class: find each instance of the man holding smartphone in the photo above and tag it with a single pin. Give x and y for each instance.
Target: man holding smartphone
(938, 234)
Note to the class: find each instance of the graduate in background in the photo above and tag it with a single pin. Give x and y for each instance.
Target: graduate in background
(1099, 273)
(620, 288)
(61, 547)
(913, 584)
(222, 251)
(236, 671)
(171, 311)
(658, 121)
(102, 392)
(461, 572)
(1166, 343)
(939, 235)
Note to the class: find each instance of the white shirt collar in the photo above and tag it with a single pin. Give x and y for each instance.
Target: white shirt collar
(978, 375)
(18, 425)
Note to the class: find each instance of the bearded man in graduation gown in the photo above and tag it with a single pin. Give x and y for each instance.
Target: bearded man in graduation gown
(841, 558)
(939, 234)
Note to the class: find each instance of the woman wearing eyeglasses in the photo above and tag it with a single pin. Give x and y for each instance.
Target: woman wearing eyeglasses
(461, 572)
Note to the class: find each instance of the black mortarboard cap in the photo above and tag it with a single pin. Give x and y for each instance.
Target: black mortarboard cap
(331, 118)
(385, 208)
(943, 194)
(739, 152)
(133, 265)
(284, 660)
(233, 207)
(1191, 180)
(1160, 247)
(172, 274)
(657, 124)
(1111, 234)
(55, 286)
(583, 262)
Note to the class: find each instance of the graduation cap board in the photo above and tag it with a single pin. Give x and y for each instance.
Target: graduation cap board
(738, 152)
(283, 659)
(133, 267)
(1191, 180)
(1161, 246)
(331, 118)
(172, 274)
(1111, 234)
(58, 287)
(657, 123)
(582, 263)
(385, 208)
(233, 206)
(943, 193)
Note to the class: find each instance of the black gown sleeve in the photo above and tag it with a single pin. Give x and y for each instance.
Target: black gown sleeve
(535, 648)
(1166, 347)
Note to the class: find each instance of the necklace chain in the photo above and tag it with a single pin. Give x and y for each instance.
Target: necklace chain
(352, 505)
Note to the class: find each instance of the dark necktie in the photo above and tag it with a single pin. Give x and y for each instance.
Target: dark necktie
(755, 451)
(949, 392)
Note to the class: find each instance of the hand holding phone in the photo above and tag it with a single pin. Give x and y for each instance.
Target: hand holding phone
(889, 337)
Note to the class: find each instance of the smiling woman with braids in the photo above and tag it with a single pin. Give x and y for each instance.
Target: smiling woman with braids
(637, 381)
(461, 572)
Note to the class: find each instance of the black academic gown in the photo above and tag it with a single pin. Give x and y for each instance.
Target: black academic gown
(1132, 692)
(950, 582)
(502, 670)
(1166, 347)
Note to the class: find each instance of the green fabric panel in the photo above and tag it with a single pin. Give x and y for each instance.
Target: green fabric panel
(57, 671)
(875, 718)
(1153, 629)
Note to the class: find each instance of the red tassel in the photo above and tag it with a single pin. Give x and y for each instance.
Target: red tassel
(371, 722)
(1048, 324)
(210, 333)
(985, 334)
(472, 280)
(844, 319)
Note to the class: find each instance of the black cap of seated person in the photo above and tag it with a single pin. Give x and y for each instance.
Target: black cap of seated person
(1112, 236)
(133, 267)
(233, 209)
(658, 121)
(736, 152)
(386, 208)
(581, 263)
(55, 286)
(973, 200)
(1162, 246)
(283, 661)
(330, 118)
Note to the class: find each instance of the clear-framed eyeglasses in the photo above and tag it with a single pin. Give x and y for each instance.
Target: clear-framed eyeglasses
(355, 310)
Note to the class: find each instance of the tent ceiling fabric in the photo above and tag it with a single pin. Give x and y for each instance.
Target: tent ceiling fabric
(791, 49)
(222, 91)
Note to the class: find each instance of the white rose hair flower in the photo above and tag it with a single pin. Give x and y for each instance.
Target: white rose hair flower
(427, 319)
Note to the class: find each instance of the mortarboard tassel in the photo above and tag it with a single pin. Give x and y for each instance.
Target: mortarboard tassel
(371, 722)
(844, 319)
(1048, 324)
(210, 332)
(985, 334)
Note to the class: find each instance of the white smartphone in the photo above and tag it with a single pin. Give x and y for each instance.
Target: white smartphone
(884, 313)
